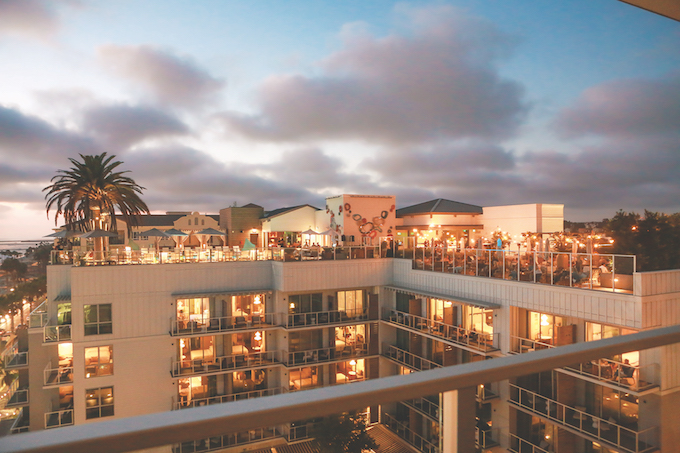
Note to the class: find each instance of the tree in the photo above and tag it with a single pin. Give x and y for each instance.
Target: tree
(89, 193)
(15, 269)
(343, 433)
(41, 255)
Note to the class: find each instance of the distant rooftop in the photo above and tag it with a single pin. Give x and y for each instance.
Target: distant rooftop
(440, 206)
(277, 212)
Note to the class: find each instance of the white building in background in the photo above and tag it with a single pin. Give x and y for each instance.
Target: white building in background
(117, 340)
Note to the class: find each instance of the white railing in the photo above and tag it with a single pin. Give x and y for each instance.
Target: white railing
(224, 363)
(219, 399)
(13, 358)
(38, 317)
(59, 418)
(56, 334)
(203, 325)
(20, 423)
(519, 445)
(408, 359)
(425, 406)
(324, 317)
(604, 430)
(17, 396)
(57, 376)
(227, 440)
(480, 341)
(486, 392)
(321, 355)
(487, 438)
(403, 431)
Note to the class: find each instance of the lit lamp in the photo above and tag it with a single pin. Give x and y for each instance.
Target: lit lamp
(544, 320)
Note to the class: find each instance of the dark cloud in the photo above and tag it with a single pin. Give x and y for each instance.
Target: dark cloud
(122, 125)
(31, 17)
(171, 79)
(436, 80)
(625, 108)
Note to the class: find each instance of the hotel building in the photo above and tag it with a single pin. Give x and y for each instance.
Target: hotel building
(165, 324)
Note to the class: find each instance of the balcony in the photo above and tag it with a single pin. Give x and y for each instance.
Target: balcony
(228, 440)
(323, 355)
(17, 397)
(412, 361)
(21, 423)
(57, 334)
(425, 407)
(487, 438)
(200, 326)
(574, 270)
(186, 368)
(197, 402)
(519, 445)
(403, 431)
(486, 392)
(577, 420)
(60, 375)
(13, 358)
(298, 320)
(57, 419)
(478, 342)
(38, 317)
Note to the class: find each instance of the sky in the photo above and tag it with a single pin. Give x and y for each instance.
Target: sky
(214, 102)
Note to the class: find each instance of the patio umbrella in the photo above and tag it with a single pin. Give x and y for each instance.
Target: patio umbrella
(63, 234)
(203, 234)
(310, 231)
(247, 245)
(178, 236)
(98, 234)
(155, 233)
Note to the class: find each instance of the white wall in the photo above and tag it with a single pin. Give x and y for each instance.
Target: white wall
(518, 219)
(301, 219)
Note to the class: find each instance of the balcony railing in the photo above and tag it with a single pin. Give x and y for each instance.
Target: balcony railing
(577, 270)
(216, 254)
(38, 317)
(57, 376)
(404, 432)
(57, 334)
(424, 406)
(227, 440)
(408, 359)
(56, 419)
(294, 320)
(487, 392)
(487, 438)
(233, 362)
(21, 423)
(606, 431)
(219, 399)
(479, 341)
(220, 324)
(322, 355)
(17, 396)
(519, 445)
(520, 345)
(13, 358)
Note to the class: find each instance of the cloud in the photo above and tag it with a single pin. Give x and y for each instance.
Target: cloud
(436, 80)
(31, 17)
(625, 108)
(123, 125)
(171, 79)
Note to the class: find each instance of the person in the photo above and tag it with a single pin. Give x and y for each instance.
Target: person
(603, 268)
(627, 370)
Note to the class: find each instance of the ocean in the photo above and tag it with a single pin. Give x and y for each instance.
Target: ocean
(20, 246)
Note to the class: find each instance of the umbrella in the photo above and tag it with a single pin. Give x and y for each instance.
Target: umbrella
(174, 232)
(178, 236)
(310, 231)
(247, 245)
(99, 234)
(154, 232)
(202, 235)
(63, 234)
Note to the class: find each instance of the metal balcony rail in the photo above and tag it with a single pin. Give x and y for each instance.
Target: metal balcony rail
(220, 399)
(322, 355)
(157, 429)
(521, 345)
(408, 359)
(57, 376)
(295, 432)
(519, 445)
(21, 423)
(13, 358)
(604, 430)
(215, 254)
(204, 325)
(479, 341)
(38, 317)
(188, 367)
(227, 440)
(59, 418)
(403, 431)
(294, 320)
(486, 392)
(487, 438)
(425, 406)
(17, 396)
(57, 334)
(577, 270)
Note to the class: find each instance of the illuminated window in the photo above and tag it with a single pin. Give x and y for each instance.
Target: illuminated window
(98, 319)
(351, 302)
(98, 361)
(99, 402)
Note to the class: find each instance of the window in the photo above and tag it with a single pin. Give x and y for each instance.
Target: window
(98, 319)
(98, 361)
(99, 402)
(305, 303)
(351, 302)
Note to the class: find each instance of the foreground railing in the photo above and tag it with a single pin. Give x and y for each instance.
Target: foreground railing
(197, 402)
(224, 363)
(604, 430)
(220, 324)
(481, 341)
(519, 445)
(403, 431)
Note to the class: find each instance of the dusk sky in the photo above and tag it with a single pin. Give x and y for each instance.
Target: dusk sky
(282, 103)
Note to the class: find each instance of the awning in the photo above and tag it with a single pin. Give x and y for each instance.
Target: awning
(222, 293)
(62, 298)
(454, 299)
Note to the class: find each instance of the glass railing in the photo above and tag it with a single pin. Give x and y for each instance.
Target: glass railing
(408, 359)
(519, 445)
(578, 419)
(486, 392)
(321, 355)
(224, 363)
(57, 376)
(324, 317)
(520, 345)
(17, 396)
(38, 317)
(220, 324)
(56, 419)
(481, 341)
(577, 270)
(21, 423)
(629, 377)
(56, 334)
(425, 406)
(404, 432)
(219, 399)
(13, 358)
(487, 438)
(227, 440)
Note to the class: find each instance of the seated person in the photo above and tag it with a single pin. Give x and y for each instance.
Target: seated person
(627, 370)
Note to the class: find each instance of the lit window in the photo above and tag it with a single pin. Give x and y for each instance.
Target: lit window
(99, 402)
(98, 319)
(98, 361)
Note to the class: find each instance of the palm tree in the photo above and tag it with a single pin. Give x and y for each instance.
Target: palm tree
(89, 193)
